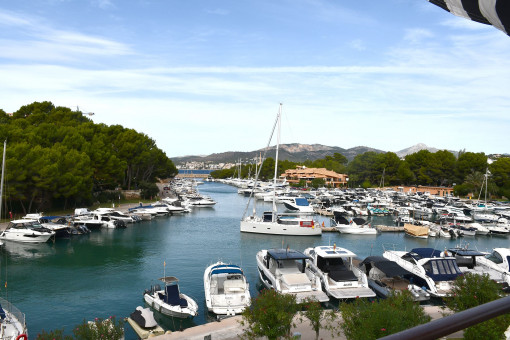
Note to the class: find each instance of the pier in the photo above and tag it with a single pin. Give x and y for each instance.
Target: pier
(192, 176)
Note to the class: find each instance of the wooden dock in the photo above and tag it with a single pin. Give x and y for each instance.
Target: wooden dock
(388, 228)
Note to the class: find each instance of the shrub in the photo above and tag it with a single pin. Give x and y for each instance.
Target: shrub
(372, 320)
(57, 334)
(471, 290)
(319, 318)
(111, 329)
(271, 314)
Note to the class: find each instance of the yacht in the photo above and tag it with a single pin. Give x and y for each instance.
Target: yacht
(170, 301)
(280, 224)
(473, 261)
(385, 276)
(284, 271)
(27, 230)
(226, 290)
(498, 260)
(299, 205)
(354, 226)
(57, 224)
(339, 277)
(433, 271)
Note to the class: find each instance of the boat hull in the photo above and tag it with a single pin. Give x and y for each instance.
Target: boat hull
(274, 228)
(176, 311)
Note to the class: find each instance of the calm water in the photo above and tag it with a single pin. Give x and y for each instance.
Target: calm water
(105, 273)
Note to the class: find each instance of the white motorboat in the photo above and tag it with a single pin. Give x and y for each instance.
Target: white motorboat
(339, 277)
(385, 276)
(433, 271)
(473, 261)
(57, 224)
(170, 301)
(88, 221)
(356, 226)
(199, 201)
(29, 231)
(284, 271)
(498, 260)
(226, 290)
(299, 205)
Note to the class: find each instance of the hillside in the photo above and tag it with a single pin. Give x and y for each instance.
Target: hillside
(293, 152)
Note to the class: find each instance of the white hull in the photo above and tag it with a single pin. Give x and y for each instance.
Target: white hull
(226, 293)
(253, 225)
(26, 237)
(290, 281)
(177, 311)
(356, 230)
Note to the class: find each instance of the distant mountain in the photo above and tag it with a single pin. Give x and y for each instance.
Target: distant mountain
(414, 149)
(293, 152)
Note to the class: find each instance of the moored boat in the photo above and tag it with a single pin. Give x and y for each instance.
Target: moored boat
(226, 290)
(170, 301)
(284, 271)
(340, 278)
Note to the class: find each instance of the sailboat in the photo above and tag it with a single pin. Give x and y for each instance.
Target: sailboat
(11, 319)
(272, 222)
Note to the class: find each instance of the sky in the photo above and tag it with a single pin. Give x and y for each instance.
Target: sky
(202, 77)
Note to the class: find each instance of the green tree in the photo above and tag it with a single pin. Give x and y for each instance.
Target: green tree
(471, 290)
(319, 318)
(468, 163)
(365, 320)
(317, 183)
(271, 314)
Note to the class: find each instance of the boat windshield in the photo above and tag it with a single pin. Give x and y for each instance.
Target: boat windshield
(302, 202)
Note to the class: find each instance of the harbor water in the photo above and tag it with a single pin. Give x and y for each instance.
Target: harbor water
(59, 285)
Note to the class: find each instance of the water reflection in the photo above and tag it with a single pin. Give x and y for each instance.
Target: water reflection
(29, 250)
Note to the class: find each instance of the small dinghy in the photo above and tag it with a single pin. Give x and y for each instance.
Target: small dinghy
(169, 301)
(143, 323)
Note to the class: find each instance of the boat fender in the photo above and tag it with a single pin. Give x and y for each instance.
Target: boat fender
(24, 336)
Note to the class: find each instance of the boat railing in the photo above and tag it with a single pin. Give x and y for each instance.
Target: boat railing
(450, 324)
(15, 312)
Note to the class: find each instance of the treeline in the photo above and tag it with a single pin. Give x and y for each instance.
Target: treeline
(466, 172)
(58, 158)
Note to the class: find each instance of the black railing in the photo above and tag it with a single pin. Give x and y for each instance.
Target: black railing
(456, 322)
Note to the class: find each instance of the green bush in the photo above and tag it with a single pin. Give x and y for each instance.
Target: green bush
(271, 314)
(318, 317)
(111, 329)
(472, 290)
(57, 334)
(148, 190)
(364, 319)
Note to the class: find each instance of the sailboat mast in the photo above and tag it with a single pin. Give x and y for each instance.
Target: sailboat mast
(276, 160)
(2, 179)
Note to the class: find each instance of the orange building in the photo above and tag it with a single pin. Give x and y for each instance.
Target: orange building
(437, 191)
(330, 178)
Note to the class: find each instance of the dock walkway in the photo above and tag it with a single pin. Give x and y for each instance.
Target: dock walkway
(231, 329)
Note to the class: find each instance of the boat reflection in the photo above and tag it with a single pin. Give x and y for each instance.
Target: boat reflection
(29, 250)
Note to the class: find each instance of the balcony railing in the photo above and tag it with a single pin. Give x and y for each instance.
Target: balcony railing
(456, 322)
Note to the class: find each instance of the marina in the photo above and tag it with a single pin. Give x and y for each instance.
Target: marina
(104, 273)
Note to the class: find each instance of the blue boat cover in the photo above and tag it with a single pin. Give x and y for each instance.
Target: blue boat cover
(286, 254)
(302, 202)
(226, 269)
(442, 269)
(425, 253)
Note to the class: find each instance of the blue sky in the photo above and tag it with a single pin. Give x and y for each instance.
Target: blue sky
(203, 77)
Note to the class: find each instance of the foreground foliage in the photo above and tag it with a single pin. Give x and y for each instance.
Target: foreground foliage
(320, 318)
(472, 290)
(111, 329)
(366, 320)
(271, 314)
